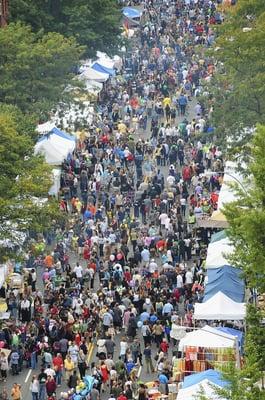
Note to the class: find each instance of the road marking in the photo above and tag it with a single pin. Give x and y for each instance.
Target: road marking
(139, 372)
(28, 375)
(90, 352)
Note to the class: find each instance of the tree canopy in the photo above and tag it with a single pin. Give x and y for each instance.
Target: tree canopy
(35, 69)
(94, 23)
(24, 182)
(239, 84)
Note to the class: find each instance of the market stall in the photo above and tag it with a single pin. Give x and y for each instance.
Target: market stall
(205, 348)
(221, 308)
(227, 280)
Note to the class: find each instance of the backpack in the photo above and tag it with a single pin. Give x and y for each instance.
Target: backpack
(117, 275)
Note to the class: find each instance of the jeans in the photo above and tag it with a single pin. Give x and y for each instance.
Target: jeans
(14, 368)
(35, 396)
(42, 391)
(58, 377)
(33, 360)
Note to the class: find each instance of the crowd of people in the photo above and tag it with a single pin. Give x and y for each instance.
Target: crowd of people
(129, 262)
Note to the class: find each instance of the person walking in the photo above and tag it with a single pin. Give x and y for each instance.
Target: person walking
(34, 388)
(16, 392)
(3, 366)
(148, 359)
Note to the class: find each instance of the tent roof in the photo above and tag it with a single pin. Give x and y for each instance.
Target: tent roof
(210, 374)
(218, 236)
(207, 337)
(131, 12)
(220, 307)
(233, 332)
(55, 146)
(57, 132)
(101, 68)
(217, 253)
(227, 280)
(104, 60)
(93, 75)
(191, 392)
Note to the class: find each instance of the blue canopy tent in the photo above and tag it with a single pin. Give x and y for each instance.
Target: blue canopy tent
(211, 375)
(57, 132)
(227, 280)
(233, 332)
(131, 13)
(101, 68)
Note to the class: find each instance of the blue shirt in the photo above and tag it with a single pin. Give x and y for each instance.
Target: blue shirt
(167, 309)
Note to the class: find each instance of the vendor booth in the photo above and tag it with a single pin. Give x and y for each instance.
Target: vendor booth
(205, 348)
(218, 252)
(221, 308)
(227, 280)
(55, 146)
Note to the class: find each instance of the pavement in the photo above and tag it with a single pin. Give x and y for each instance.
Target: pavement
(24, 378)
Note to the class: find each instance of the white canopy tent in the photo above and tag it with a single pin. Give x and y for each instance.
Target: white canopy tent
(220, 307)
(218, 252)
(55, 147)
(231, 176)
(46, 127)
(93, 75)
(207, 337)
(205, 387)
(104, 60)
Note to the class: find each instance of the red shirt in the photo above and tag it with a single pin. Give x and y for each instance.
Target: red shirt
(164, 347)
(58, 363)
(122, 397)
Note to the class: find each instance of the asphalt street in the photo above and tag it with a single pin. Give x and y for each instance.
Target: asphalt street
(24, 378)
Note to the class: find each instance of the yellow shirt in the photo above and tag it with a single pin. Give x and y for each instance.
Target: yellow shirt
(166, 101)
(68, 365)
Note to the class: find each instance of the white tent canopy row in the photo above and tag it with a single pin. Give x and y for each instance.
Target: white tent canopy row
(207, 337)
(220, 307)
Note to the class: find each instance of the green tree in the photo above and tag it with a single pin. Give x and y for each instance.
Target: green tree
(239, 84)
(94, 23)
(246, 217)
(24, 183)
(35, 68)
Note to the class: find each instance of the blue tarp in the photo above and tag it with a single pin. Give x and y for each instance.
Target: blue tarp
(210, 374)
(57, 132)
(227, 280)
(233, 332)
(130, 12)
(100, 68)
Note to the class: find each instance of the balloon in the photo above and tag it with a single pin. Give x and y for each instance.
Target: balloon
(139, 324)
(112, 257)
(2, 344)
(119, 256)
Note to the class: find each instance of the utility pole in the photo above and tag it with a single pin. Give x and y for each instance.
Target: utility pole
(3, 12)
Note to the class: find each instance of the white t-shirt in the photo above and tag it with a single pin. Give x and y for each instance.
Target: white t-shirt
(163, 217)
(78, 271)
(179, 281)
(189, 277)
